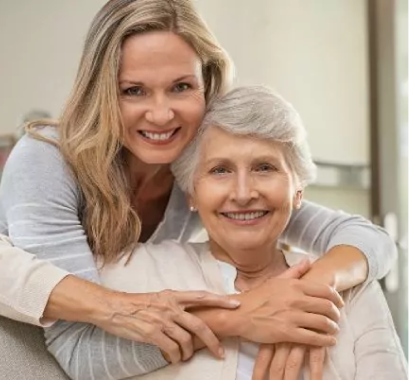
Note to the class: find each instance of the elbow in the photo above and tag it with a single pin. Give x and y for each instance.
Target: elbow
(389, 249)
(380, 250)
(69, 343)
(373, 241)
(77, 366)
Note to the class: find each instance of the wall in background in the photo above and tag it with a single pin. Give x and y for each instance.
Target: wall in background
(40, 47)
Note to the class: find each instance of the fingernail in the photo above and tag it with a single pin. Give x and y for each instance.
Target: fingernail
(235, 303)
(221, 352)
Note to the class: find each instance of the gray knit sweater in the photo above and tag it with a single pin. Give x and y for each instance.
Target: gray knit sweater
(39, 202)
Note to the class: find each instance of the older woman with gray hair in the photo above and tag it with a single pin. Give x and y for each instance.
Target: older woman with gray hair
(244, 173)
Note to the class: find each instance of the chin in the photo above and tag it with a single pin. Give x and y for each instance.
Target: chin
(245, 245)
(161, 158)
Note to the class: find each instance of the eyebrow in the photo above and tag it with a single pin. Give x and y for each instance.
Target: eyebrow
(226, 160)
(270, 158)
(139, 83)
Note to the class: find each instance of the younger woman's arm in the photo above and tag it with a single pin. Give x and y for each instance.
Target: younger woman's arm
(351, 248)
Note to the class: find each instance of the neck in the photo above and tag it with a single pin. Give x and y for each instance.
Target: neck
(141, 174)
(254, 266)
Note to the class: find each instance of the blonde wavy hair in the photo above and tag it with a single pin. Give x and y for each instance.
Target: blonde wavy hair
(91, 128)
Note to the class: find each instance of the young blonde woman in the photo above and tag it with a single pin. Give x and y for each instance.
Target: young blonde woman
(98, 181)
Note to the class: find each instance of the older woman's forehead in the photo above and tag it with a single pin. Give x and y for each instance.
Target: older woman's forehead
(218, 144)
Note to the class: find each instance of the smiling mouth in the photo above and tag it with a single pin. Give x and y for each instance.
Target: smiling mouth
(154, 136)
(245, 216)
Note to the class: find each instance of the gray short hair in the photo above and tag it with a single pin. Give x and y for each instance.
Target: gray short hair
(257, 112)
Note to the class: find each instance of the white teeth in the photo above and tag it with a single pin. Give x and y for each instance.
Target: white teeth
(157, 136)
(245, 216)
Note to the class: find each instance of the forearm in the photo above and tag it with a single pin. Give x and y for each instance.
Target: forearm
(32, 288)
(25, 284)
(105, 347)
(342, 267)
(223, 322)
(87, 352)
(36, 292)
(76, 300)
(317, 230)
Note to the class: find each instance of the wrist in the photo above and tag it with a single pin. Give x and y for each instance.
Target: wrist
(112, 304)
(223, 322)
(232, 322)
(76, 300)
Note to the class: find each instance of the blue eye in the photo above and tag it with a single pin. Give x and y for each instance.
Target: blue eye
(265, 168)
(181, 87)
(219, 170)
(134, 91)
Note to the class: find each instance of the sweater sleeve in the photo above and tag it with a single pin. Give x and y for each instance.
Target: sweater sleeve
(39, 209)
(377, 349)
(25, 284)
(316, 229)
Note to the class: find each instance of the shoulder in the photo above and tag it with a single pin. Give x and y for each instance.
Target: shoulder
(369, 292)
(36, 170)
(29, 147)
(33, 159)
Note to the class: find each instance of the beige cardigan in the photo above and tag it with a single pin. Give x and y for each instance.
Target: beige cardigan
(368, 346)
(18, 301)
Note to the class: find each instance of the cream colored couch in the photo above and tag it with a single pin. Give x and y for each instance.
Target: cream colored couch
(23, 355)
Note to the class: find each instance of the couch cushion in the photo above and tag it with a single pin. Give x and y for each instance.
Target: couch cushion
(23, 355)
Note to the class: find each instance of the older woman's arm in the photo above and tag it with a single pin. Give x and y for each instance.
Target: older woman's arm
(378, 351)
(25, 284)
(351, 248)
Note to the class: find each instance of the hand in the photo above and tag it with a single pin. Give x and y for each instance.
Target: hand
(284, 309)
(284, 361)
(161, 319)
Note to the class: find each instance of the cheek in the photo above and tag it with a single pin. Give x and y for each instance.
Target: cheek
(193, 110)
(279, 194)
(209, 196)
(130, 114)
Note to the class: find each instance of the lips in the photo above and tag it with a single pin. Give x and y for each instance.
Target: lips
(161, 136)
(245, 216)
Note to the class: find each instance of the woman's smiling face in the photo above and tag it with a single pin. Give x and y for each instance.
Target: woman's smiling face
(161, 95)
(244, 190)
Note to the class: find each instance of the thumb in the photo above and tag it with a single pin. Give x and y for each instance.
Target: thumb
(297, 271)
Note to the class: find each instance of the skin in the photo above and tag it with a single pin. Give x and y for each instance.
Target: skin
(158, 103)
(161, 88)
(238, 175)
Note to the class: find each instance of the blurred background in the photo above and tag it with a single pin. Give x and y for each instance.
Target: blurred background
(342, 63)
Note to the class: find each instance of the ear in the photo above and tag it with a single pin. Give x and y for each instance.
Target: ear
(297, 200)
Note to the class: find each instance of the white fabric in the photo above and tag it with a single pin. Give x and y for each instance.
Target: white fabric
(368, 347)
(247, 350)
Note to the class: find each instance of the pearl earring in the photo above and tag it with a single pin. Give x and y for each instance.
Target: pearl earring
(192, 209)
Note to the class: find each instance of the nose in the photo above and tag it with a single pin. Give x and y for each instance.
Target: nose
(244, 189)
(160, 111)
